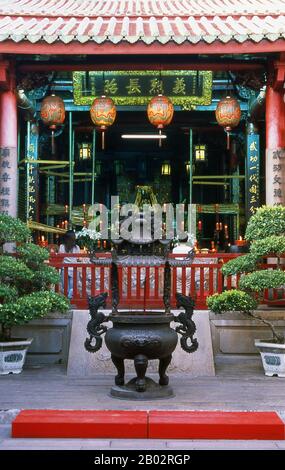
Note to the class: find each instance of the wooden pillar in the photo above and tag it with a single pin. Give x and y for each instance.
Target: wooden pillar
(8, 150)
(275, 140)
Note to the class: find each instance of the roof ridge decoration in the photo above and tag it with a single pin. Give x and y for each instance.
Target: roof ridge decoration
(144, 8)
(147, 21)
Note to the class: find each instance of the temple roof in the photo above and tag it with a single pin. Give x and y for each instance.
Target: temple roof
(147, 21)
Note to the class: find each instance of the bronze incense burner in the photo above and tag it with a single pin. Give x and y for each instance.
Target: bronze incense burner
(141, 335)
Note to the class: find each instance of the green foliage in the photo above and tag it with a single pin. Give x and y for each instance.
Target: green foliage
(264, 279)
(12, 230)
(13, 270)
(242, 264)
(269, 245)
(32, 254)
(265, 222)
(45, 276)
(24, 281)
(7, 293)
(231, 301)
(32, 306)
(266, 231)
(58, 302)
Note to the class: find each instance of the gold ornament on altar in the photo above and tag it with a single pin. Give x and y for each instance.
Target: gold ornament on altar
(228, 114)
(103, 114)
(52, 114)
(160, 112)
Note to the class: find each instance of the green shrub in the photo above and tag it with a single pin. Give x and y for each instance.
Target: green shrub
(13, 270)
(32, 254)
(45, 276)
(58, 302)
(264, 279)
(7, 293)
(231, 301)
(242, 264)
(273, 244)
(266, 231)
(24, 280)
(265, 222)
(32, 306)
(12, 230)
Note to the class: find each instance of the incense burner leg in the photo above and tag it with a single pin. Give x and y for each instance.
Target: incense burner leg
(119, 364)
(163, 364)
(141, 363)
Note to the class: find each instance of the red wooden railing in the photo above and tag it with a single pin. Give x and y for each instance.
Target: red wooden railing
(139, 286)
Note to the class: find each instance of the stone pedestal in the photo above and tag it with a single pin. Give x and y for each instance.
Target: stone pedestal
(82, 363)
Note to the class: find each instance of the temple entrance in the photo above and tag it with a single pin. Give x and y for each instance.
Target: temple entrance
(199, 169)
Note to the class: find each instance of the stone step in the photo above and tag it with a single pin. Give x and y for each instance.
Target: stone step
(215, 425)
(80, 424)
(164, 424)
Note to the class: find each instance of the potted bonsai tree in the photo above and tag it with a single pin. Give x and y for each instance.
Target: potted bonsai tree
(266, 232)
(25, 281)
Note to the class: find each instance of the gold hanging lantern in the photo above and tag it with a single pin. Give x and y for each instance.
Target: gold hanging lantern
(228, 114)
(52, 114)
(160, 112)
(103, 114)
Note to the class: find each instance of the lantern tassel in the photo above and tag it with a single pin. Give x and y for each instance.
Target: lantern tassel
(103, 140)
(52, 142)
(160, 138)
(228, 140)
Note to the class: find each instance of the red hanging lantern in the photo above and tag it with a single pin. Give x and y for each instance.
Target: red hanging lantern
(103, 114)
(160, 112)
(52, 114)
(228, 115)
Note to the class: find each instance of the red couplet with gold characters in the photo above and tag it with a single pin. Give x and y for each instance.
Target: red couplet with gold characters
(52, 113)
(103, 114)
(160, 112)
(228, 114)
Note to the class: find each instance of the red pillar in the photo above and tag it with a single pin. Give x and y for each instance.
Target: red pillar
(8, 152)
(275, 146)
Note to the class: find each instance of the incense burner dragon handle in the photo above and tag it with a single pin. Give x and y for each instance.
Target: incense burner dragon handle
(187, 327)
(95, 328)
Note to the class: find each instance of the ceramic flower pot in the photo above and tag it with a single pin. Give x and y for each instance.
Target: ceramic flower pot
(273, 357)
(13, 355)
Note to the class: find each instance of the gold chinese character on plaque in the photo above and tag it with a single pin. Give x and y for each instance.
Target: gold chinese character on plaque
(156, 86)
(134, 87)
(110, 87)
(179, 87)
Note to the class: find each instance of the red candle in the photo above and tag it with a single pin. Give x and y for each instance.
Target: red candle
(240, 242)
(199, 225)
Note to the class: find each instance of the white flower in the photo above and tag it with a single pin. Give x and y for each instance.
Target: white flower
(86, 232)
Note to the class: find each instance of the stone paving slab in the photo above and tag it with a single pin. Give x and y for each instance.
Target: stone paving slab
(138, 444)
(241, 386)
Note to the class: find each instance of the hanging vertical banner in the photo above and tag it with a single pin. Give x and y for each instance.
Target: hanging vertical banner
(252, 174)
(278, 166)
(7, 179)
(32, 173)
